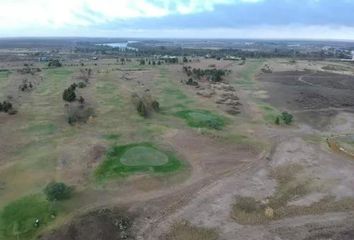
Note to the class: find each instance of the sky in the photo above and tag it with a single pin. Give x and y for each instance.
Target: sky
(264, 19)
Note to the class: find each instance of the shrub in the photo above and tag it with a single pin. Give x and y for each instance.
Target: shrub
(155, 105)
(191, 82)
(56, 191)
(79, 113)
(69, 95)
(81, 100)
(5, 106)
(247, 204)
(141, 108)
(277, 120)
(145, 104)
(54, 63)
(73, 86)
(81, 85)
(287, 118)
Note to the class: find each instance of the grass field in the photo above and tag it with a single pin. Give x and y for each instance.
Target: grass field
(100, 157)
(142, 157)
(202, 119)
(18, 219)
(247, 73)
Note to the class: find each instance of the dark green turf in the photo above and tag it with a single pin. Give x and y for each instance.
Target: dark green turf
(17, 219)
(113, 166)
(202, 119)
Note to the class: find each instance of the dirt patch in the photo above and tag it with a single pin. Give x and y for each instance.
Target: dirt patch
(101, 224)
(209, 154)
(332, 229)
(304, 91)
(96, 154)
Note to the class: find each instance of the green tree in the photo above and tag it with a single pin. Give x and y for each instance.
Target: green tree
(155, 105)
(287, 118)
(56, 191)
(141, 108)
(69, 95)
(54, 63)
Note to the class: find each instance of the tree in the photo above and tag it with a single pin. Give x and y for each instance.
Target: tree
(141, 108)
(54, 63)
(81, 85)
(277, 120)
(81, 100)
(56, 191)
(69, 95)
(155, 105)
(287, 118)
(5, 106)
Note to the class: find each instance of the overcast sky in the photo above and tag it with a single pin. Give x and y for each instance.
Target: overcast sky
(303, 19)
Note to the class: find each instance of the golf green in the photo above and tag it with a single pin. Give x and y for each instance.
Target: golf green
(143, 156)
(134, 158)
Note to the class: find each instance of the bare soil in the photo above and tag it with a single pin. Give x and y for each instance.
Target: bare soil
(315, 97)
(101, 224)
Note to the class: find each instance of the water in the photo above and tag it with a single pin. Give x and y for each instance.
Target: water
(120, 45)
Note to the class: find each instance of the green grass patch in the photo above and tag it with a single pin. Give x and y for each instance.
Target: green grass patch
(42, 129)
(4, 74)
(59, 72)
(111, 137)
(202, 119)
(18, 219)
(248, 72)
(143, 156)
(134, 158)
(269, 113)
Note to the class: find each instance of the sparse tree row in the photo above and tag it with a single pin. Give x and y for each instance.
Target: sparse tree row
(78, 110)
(212, 75)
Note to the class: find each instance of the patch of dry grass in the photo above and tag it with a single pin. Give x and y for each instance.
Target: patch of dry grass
(186, 231)
(291, 185)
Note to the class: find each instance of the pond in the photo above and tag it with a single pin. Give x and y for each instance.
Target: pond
(120, 45)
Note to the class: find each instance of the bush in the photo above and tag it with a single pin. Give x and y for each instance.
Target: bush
(79, 113)
(81, 100)
(247, 204)
(5, 106)
(56, 191)
(287, 118)
(69, 95)
(145, 104)
(81, 85)
(155, 105)
(141, 108)
(54, 63)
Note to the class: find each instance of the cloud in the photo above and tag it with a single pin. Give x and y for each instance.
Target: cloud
(189, 18)
(24, 13)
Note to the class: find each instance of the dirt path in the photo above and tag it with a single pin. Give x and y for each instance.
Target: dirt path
(301, 79)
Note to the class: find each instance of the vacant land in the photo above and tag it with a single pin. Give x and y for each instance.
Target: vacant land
(151, 154)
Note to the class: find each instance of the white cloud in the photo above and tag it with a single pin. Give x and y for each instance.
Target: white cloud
(63, 13)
